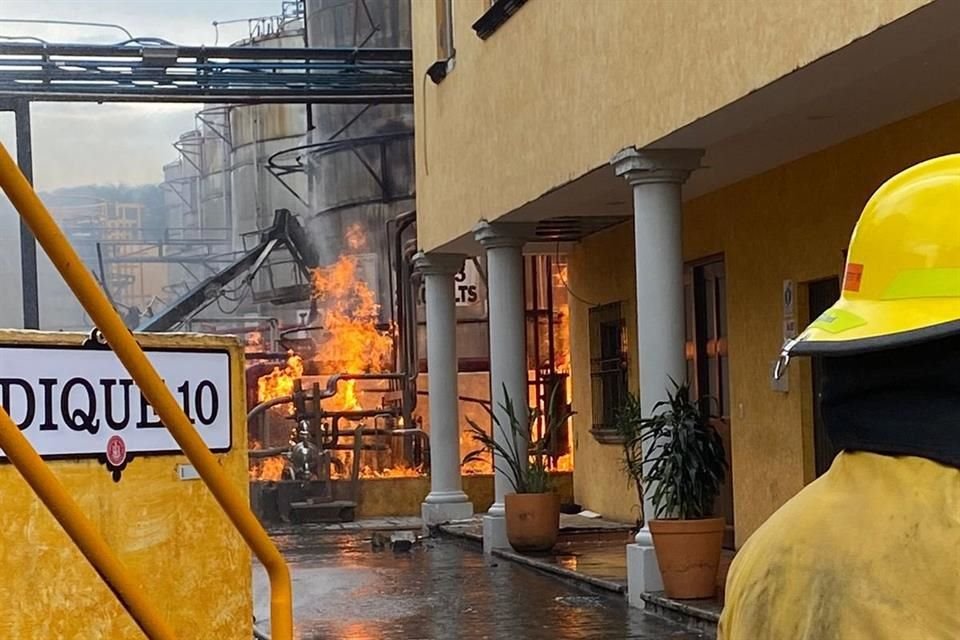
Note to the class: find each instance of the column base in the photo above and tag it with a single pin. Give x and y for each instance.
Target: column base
(434, 513)
(643, 573)
(494, 533)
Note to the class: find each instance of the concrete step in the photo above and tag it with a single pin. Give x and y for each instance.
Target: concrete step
(702, 615)
(334, 511)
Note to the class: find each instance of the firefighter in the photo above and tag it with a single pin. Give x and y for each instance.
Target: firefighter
(871, 550)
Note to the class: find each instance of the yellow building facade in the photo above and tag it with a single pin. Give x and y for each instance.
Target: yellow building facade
(565, 125)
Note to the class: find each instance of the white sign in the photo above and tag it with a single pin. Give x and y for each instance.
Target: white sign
(466, 287)
(789, 329)
(789, 299)
(73, 402)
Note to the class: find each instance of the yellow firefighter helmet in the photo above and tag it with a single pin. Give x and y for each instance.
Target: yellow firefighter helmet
(902, 278)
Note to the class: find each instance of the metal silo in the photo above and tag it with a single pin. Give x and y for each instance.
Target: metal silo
(360, 157)
(257, 132)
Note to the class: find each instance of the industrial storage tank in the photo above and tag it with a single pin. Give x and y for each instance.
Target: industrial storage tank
(361, 167)
(214, 187)
(257, 132)
(361, 158)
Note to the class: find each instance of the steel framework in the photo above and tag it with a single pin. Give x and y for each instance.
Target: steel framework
(158, 71)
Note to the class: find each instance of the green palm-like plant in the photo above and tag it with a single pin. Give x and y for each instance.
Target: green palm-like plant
(627, 420)
(676, 453)
(526, 470)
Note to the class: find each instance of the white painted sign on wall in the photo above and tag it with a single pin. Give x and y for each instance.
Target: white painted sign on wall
(73, 402)
(466, 287)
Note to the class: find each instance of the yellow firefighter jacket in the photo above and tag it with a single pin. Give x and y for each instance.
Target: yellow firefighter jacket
(869, 551)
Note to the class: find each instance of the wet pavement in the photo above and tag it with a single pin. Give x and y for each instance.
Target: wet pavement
(442, 589)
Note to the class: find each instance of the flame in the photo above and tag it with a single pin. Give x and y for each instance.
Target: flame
(352, 342)
(266, 469)
(479, 467)
(368, 471)
(562, 333)
(399, 471)
(563, 463)
(269, 469)
(279, 382)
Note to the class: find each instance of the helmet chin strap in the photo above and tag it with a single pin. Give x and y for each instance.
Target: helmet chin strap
(784, 360)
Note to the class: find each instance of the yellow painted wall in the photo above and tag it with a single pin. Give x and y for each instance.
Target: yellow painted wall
(600, 271)
(789, 223)
(564, 84)
(170, 533)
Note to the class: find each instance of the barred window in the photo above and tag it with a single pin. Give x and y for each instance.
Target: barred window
(608, 362)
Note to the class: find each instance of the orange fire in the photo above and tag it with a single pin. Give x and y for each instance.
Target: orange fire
(562, 334)
(351, 342)
(398, 471)
(279, 382)
(563, 463)
(479, 467)
(268, 469)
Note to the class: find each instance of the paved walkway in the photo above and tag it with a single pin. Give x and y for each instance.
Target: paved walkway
(441, 590)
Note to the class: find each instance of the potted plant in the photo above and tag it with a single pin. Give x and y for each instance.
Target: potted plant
(533, 510)
(677, 455)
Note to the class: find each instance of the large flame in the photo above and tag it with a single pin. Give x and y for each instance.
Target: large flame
(351, 342)
(279, 382)
(267, 469)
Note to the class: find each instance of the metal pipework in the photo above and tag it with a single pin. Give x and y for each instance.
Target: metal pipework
(266, 404)
(153, 388)
(273, 326)
(334, 380)
(91, 544)
(268, 453)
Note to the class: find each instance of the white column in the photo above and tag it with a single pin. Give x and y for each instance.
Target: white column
(508, 357)
(446, 500)
(656, 176)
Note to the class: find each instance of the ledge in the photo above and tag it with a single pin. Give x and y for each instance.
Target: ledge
(698, 614)
(494, 17)
(570, 574)
(606, 435)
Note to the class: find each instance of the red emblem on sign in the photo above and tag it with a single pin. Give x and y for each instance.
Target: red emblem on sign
(851, 281)
(116, 451)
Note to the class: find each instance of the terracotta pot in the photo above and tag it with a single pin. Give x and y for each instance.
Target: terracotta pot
(533, 520)
(688, 552)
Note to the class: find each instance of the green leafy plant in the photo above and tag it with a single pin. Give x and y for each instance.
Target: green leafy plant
(676, 453)
(627, 420)
(526, 468)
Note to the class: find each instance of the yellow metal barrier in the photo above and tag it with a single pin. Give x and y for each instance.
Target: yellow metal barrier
(55, 496)
(166, 407)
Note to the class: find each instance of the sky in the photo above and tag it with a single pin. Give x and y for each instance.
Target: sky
(86, 143)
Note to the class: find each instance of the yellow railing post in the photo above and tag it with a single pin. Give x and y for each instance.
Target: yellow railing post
(125, 346)
(66, 511)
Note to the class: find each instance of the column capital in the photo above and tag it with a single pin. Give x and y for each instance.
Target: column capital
(495, 235)
(641, 166)
(438, 264)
